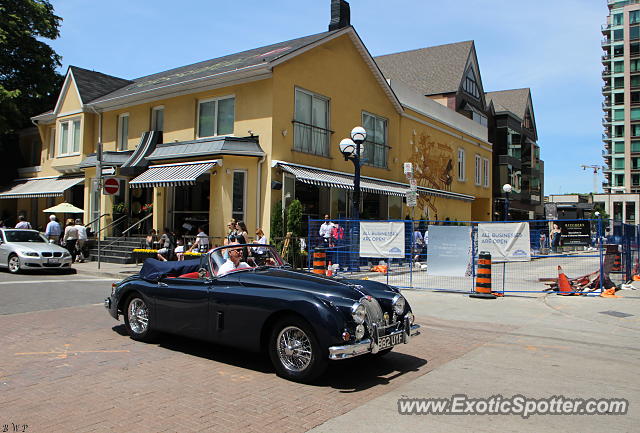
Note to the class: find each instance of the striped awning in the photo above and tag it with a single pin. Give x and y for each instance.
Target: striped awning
(44, 187)
(335, 179)
(179, 174)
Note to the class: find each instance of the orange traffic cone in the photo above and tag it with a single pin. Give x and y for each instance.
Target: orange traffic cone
(329, 270)
(610, 293)
(564, 286)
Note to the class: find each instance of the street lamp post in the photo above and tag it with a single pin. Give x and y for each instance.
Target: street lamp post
(350, 149)
(507, 189)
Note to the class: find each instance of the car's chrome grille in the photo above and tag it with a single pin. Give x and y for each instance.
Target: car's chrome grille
(46, 254)
(374, 312)
(50, 254)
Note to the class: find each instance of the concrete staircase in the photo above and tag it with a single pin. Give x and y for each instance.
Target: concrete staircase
(119, 252)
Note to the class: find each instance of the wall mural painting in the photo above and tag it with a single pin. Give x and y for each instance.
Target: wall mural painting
(433, 168)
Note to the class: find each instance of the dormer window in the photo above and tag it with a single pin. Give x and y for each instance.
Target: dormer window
(470, 84)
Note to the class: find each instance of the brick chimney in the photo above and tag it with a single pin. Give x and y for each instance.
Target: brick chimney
(340, 15)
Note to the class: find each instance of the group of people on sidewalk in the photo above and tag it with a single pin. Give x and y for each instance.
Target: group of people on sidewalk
(73, 238)
(170, 246)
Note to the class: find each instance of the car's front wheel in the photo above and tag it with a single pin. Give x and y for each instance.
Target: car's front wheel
(14, 264)
(295, 352)
(137, 319)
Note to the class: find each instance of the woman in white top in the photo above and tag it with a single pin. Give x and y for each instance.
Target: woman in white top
(71, 236)
(260, 239)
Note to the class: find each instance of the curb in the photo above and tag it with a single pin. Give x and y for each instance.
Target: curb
(114, 275)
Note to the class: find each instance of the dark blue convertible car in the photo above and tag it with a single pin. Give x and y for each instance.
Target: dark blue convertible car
(246, 296)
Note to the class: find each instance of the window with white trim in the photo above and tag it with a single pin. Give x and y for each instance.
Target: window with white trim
(238, 202)
(52, 142)
(485, 172)
(157, 118)
(311, 123)
(122, 139)
(69, 143)
(216, 116)
(461, 173)
(375, 147)
(478, 170)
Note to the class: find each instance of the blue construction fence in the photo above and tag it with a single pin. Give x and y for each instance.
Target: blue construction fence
(597, 256)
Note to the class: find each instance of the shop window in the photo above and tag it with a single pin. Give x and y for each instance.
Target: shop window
(239, 195)
(216, 116)
(123, 132)
(375, 147)
(69, 138)
(311, 123)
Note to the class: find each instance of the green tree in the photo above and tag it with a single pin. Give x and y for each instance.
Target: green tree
(294, 225)
(29, 81)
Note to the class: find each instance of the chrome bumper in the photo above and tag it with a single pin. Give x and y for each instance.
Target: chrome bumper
(363, 347)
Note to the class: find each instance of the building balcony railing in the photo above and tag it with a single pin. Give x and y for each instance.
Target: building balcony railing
(607, 73)
(605, 27)
(605, 42)
(606, 57)
(311, 139)
(606, 138)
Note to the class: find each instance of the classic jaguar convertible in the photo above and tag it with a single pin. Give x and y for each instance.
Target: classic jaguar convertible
(246, 296)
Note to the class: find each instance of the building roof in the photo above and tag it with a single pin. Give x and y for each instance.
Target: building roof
(92, 84)
(233, 62)
(431, 71)
(109, 157)
(515, 101)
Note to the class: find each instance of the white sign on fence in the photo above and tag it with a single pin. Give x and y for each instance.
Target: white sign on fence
(507, 242)
(412, 198)
(382, 239)
(449, 250)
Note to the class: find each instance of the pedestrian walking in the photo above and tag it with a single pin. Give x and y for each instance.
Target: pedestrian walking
(242, 233)
(53, 230)
(231, 231)
(82, 240)
(71, 238)
(325, 231)
(23, 223)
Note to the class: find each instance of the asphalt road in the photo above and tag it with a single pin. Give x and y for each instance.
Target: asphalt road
(23, 293)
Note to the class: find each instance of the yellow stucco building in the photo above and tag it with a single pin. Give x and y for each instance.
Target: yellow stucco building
(229, 137)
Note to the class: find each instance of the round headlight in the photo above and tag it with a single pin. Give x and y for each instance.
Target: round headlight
(358, 312)
(410, 317)
(359, 332)
(398, 304)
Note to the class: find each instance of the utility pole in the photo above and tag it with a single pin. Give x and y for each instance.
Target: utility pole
(595, 169)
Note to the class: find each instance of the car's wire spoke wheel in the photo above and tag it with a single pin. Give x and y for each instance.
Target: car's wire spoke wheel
(294, 349)
(138, 315)
(14, 264)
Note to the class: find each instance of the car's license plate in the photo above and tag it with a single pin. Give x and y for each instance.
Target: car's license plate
(53, 261)
(388, 341)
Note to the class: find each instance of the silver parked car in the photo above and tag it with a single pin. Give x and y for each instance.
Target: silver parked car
(29, 249)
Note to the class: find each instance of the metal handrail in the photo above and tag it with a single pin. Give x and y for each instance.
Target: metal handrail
(112, 223)
(96, 219)
(123, 235)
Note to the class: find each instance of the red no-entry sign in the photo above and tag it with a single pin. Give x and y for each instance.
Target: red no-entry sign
(111, 185)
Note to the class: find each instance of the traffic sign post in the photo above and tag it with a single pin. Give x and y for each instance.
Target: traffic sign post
(108, 171)
(412, 198)
(111, 186)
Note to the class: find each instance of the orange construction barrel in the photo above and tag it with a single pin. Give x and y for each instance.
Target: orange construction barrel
(319, 261)
(483, 277)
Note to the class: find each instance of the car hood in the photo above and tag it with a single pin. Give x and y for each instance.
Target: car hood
(36, 246)
(311, 283)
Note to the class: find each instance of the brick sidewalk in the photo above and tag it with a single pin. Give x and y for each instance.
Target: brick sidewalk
(74, 370)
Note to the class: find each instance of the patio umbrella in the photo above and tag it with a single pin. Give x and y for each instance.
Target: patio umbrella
(64, 208)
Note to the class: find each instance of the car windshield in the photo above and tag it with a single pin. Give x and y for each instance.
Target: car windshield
(233, 258)
(23, 236)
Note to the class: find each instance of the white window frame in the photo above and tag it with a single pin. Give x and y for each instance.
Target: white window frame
(70, 137)
(386, 139)
(478, 173)
(52, 143)
(461, 165)
(215, 116)
(154, 110)
(328, 127)
(120, 145)
(486, 168)
(244, 193)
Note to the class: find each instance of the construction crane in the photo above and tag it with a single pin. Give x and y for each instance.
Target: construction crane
(595, 169)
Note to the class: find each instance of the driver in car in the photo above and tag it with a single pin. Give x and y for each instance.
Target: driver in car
(234, 261)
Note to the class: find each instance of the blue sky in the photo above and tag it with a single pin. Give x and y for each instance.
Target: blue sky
(551, 46)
